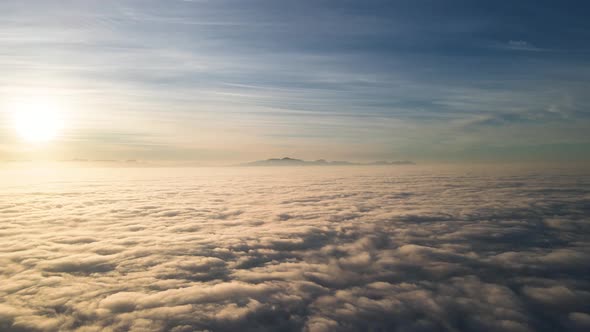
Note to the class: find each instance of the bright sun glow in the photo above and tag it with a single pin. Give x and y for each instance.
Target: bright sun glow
(37, 121)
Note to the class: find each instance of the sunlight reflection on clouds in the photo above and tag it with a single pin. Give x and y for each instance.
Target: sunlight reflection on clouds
(317, 250)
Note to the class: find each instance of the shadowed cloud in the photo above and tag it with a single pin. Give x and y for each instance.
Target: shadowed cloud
(378, 249)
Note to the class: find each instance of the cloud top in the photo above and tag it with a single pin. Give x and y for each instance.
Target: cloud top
(320, 250)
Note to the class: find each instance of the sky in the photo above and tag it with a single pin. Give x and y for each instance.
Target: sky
(226, 81)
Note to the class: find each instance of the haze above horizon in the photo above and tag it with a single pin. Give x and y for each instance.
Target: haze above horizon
(232, 81)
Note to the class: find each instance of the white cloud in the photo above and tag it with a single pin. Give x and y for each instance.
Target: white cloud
(361, 249)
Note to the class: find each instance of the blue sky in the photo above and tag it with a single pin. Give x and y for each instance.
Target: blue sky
(357, 80)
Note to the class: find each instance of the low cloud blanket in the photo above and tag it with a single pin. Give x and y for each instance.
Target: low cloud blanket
(336, 249)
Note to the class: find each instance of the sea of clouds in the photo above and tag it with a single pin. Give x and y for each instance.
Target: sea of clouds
(294, 249)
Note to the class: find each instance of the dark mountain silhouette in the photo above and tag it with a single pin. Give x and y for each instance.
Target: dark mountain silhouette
(286, 161)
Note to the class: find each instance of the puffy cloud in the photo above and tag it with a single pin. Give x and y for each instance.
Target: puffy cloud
(319, 250)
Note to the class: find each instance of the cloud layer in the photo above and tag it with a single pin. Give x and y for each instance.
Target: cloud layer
(313, 250)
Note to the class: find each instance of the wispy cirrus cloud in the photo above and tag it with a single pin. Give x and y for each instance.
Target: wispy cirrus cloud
(329, 70)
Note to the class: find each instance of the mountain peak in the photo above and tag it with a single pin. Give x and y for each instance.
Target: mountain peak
(288, 161)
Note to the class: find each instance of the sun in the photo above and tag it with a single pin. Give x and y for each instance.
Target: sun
(37, 121)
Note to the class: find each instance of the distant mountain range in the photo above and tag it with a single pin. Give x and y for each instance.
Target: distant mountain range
(321, 162)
